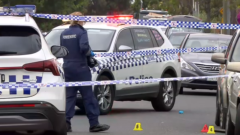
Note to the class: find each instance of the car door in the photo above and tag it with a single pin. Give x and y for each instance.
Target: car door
(223, 81)
(128, 69)
(144, 41)
(235, 80)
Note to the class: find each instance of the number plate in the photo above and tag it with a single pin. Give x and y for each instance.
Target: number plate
(212, 79)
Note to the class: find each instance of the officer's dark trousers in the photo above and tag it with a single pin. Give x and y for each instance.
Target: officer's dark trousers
(73, 72)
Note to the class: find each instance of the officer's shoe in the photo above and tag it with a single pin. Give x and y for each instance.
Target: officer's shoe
(99, 128)
(69, 128)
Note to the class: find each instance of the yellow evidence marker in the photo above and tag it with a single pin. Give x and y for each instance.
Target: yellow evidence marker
(138, 127)
(211, 130)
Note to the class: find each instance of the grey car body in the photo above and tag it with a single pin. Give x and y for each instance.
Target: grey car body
(228, 93)
(199, 63)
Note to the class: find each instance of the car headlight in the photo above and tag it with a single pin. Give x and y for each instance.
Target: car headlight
(185, 65)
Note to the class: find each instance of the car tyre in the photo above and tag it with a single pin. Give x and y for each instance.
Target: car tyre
(222, 117)
(105, 95)
(181, 90)
(229, 125)
(237, 125)
(81, 107)
(217, 115)
(166, 96)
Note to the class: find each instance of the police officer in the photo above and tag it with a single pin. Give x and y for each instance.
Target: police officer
(76, 68)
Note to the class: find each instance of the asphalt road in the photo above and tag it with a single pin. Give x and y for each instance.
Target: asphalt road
(198, 107)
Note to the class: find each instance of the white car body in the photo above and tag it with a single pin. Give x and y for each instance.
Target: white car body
(12, 71)
(153, 69)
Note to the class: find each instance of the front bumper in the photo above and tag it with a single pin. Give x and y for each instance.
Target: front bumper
(198, 83)
(31, 118)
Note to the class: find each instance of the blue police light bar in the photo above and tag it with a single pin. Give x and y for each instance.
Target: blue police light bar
(19, 9)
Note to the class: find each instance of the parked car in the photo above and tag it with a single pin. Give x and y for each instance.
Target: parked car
(177, 38)
(183, 18)
(110, 38)
(26, 58)
(228, 94)
(199, 63)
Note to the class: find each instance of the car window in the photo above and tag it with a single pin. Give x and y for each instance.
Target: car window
(177, 39)
(201, 42)
(125, 38)
(19, 40)
(142, 38)
(99, 39)
(53, 37)
(158, 37)
(236, 52)
(230, 45)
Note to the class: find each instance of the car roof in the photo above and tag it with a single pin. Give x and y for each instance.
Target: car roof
(209, 35)
(103, 26)
(17, 21)
(180, 33)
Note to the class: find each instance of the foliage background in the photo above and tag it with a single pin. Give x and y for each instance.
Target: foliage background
(209, 9)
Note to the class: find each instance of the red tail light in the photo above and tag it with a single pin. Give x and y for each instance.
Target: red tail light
(20, 105)
(43, 66)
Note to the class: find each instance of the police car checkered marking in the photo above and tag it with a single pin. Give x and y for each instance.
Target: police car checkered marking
(11, 80)
(130, 61)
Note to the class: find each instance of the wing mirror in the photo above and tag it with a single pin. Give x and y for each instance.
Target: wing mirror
(59, 51)
(124, 48)
(233, 66)
(219, 58)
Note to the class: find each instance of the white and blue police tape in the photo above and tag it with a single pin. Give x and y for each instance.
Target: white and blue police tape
(97, 19)
(162, 51)
(109, 82)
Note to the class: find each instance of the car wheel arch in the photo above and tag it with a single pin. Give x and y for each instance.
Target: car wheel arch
(170, 70)
(107, 73)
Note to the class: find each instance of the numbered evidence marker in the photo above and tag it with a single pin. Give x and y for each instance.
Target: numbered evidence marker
(205, 129)
(211, 130)
(138, 127)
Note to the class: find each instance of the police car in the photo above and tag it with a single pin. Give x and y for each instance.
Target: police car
(111, 38)
(26, 58)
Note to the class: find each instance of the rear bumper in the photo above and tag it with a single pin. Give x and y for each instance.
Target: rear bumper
(31, 118)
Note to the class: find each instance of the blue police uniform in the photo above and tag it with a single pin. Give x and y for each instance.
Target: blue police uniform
(75, 67)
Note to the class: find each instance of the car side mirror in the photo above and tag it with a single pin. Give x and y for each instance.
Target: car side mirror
(124, 48)
(59, 51)
(218, 58)
(233, 66)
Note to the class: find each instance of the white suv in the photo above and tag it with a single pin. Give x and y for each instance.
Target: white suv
(110, 38)
(26, 58)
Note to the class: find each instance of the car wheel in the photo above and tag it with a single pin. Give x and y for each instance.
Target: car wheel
(237, 125)
(104, 95)
(181, 90)
(166, 96)
(222, 117)
(229, 125)
(217, 115)
(81, 107)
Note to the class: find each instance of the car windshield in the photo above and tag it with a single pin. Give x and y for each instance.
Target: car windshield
(176, 40)
(174, 30)
(201, 42)
(99, 39)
